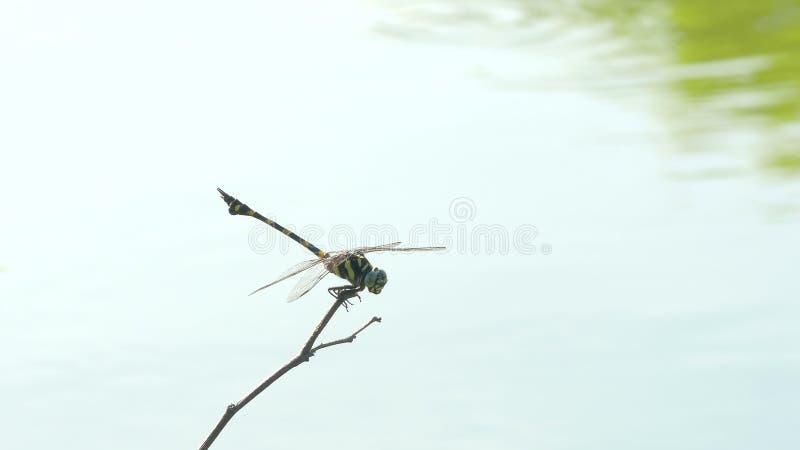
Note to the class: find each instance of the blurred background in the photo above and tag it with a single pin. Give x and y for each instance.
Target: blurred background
(617, 184)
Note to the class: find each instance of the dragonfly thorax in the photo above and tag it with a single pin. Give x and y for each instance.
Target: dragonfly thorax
(353, 268)
(356, 269)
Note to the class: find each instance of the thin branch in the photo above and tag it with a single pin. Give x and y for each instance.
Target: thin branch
(348, 339)
(305, 353)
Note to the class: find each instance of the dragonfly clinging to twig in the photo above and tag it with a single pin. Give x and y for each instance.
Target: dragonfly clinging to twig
(350, 265)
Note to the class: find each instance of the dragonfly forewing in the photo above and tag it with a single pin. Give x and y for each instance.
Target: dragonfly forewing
(292, 271)
(393, 248)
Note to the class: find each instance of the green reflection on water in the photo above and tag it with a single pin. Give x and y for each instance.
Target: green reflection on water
(707, 31)
(731, 66)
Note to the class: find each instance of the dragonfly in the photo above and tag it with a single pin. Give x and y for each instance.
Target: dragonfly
(351, 265)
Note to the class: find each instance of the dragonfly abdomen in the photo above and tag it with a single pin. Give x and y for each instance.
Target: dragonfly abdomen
(235, 207)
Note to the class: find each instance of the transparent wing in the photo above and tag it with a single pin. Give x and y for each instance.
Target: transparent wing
(292, 271)
(375, 248)
(338, 257)
(309, 280)
(393, 248)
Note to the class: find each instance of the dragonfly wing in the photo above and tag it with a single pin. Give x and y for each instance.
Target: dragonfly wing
(339, 256)
(372, 248)
(292, 271)
(309, 280)
(393, 248)
(414, 249)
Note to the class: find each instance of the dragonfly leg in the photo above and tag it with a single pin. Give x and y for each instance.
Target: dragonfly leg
(344, 294)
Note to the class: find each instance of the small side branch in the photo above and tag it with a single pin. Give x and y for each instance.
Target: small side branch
(348, 339)
(305, 353)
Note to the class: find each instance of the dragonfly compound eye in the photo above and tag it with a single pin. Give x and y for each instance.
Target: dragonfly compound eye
(370, 278)
(381, 278)
(375, 280)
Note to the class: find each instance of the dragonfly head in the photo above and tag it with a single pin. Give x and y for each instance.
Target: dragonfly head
(375, 280)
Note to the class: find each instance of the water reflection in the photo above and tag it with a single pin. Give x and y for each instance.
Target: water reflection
(727, 75)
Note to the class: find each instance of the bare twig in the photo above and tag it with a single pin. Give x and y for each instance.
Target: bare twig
(305, 353)
(348, 339)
